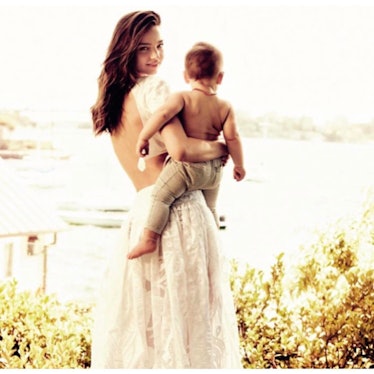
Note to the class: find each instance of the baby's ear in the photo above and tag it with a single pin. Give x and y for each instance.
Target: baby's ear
(220, 77)
(186, 77)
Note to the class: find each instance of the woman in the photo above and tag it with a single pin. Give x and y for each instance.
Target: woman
(171, 308)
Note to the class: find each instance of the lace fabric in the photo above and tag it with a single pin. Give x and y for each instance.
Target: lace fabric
(150, 93)
(172, 308)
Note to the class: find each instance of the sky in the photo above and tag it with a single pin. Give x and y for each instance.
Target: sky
(290, 58)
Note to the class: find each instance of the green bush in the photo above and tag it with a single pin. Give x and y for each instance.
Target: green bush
(317, 313)
(37, 331)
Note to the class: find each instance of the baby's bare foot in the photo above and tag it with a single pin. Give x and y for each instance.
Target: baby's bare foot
(144, 247)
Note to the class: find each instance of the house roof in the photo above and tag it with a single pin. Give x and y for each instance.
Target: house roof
(22, 211)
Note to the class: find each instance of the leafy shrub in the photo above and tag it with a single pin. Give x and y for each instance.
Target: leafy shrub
(37, 331)
(317, 313)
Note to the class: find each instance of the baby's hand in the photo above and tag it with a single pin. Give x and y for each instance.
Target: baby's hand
(239, 173)
(142, 147)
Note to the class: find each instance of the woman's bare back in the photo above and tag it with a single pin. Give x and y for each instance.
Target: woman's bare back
(124, 141)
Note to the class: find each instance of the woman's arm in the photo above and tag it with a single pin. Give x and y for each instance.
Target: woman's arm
(182, 148)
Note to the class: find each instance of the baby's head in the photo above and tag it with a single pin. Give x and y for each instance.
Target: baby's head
(203, 61)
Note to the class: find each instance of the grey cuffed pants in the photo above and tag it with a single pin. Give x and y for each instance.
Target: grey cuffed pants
(179, 177)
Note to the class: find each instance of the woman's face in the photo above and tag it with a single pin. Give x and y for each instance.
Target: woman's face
(149, 54)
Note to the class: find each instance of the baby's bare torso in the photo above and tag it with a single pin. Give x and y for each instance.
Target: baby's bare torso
(203, 115)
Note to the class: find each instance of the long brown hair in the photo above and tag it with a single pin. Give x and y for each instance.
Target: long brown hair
(118, 75)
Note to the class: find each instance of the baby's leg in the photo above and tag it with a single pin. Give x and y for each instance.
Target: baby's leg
(211, 200)
(170, 185)
(211, 188)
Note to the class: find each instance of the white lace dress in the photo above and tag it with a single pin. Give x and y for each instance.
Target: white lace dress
(172, 308)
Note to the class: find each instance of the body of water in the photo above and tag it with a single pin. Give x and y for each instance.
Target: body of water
(292, 187)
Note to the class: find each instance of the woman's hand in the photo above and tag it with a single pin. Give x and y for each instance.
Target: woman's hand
(222, 150)
(225, 159)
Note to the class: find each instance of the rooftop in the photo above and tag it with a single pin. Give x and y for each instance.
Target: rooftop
(22, 211)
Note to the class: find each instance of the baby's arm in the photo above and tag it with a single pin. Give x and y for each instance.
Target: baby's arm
(234, 145)
(159, 118)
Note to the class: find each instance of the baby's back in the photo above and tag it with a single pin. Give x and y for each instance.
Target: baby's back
(203, 115)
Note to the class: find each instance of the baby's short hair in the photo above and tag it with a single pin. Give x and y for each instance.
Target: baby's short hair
(203, 60)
